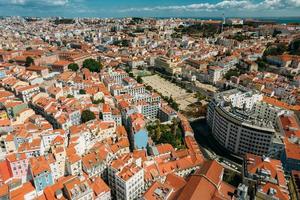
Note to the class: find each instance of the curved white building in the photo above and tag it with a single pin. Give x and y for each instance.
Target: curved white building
(241, 126)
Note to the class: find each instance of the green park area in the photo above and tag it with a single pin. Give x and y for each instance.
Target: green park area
(166, 133)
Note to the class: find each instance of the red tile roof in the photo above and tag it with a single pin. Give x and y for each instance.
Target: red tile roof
(206, 183)
(5, 173)
(19, 193)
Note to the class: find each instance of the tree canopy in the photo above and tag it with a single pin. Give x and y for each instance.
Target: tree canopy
(239, 37)
(98, 101)
(294, 47)
(87, 115)
(166, 133)
(82, 91)
(122, 43)
(232, 72)
(29, 61)
(92, 65)
(262, 65)
(207, 30)
(276, 49)
(73, 66)
(139, 79)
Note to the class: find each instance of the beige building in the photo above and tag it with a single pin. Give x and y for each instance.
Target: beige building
(167, 64)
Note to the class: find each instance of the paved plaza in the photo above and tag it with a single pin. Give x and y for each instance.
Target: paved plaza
(166, 88)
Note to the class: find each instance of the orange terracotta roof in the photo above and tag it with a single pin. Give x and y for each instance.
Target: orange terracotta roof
(39, 165)
(62, 63)
(290, 125)
(204, 183)
(175, 181)
(280, 104)
(99, 187)
(18, 194)
(279, 193)
(5, 173)
(49, 191)
(15, 157)
(106, 108)
(165, 148)
(121, 131)
(127, 172)
(292, 150)
(256, 163)
(4, 190)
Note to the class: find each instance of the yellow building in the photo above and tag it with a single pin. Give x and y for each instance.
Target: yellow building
(3, 115)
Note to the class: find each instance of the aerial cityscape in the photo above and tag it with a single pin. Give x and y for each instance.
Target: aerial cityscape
(150, 100)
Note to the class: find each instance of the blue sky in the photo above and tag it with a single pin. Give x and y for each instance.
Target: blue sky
(150, 8)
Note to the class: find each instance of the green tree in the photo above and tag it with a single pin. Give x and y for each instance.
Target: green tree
(92, 65)
(294, 47)
(168, 137)
(73, 66)
(228, 53)
(173, 103)
(139, 79)
(230, 73)
(148, 87)
(276, 49)
(200, 96)
(81, 91)
(29, 61)
(157, 131)
(131, 74)
(276, 32)
(262, 65)
(122, 43)
(98, 101)
(87, 115)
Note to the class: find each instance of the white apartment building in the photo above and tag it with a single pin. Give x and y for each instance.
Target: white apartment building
(126, 177)
(215, 74)
(149, 110)
(74, 165)
(129, 182)
(242, 99)
(48, 136)
(26, 92)
(238, 118)
(117, 117)
(266, 111)
(129, 89)
(116, 75)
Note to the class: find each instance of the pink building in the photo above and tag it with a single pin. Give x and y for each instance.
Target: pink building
(18, 165)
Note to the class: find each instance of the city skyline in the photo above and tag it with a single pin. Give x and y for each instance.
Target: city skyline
(155, 8)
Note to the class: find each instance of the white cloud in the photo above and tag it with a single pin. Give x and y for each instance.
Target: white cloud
(35, 2)
(223, 5)
(295, 2)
